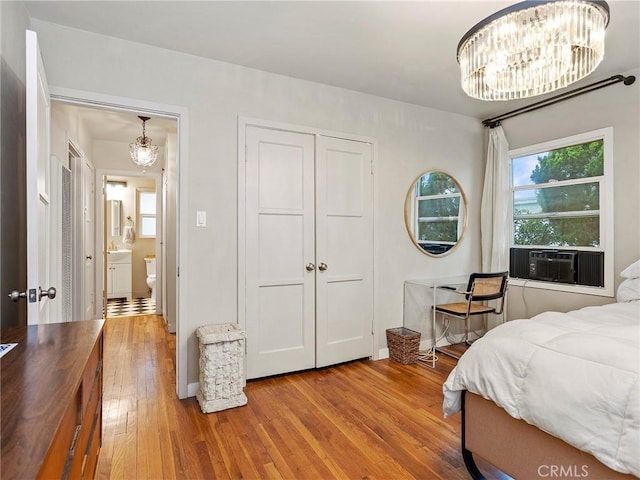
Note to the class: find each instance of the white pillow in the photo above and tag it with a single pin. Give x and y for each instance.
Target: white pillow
(629, 290)
(632, 271)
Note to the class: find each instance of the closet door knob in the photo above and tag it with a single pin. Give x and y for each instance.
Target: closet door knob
(322, 267)
(310, 267)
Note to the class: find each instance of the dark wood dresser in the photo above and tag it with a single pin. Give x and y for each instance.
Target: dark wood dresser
(51, 400)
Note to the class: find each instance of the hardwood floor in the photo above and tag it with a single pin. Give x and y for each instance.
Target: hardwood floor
(364, 419)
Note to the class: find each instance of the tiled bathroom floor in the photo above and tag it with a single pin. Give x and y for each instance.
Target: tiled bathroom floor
(120, 307)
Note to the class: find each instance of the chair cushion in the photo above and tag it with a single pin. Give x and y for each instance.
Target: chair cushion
(460, 308)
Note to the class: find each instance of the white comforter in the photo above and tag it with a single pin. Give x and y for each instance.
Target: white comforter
(573, 375)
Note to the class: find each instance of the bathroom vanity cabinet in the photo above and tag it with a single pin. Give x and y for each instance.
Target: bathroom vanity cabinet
(52, 400)
(119, 283)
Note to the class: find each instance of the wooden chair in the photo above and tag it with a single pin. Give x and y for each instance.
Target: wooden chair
(481, 288)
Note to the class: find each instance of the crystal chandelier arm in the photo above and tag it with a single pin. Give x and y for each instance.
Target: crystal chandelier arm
(144, 124)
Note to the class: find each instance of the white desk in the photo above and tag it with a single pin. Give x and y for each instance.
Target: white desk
(417, 307)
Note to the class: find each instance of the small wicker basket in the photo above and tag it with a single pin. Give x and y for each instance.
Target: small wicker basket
(404, 345)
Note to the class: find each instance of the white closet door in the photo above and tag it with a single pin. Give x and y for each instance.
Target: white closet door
(280, 296)
(344, 244)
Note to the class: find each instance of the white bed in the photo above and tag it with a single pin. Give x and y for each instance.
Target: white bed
(573, 375)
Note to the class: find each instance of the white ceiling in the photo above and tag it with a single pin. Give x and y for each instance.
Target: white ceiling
(119, 126)
(400, 50)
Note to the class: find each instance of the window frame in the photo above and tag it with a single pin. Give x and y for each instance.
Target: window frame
(605, 212)
(450, 218)
(141, 216)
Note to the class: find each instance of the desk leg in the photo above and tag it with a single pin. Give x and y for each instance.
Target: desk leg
(434, 337)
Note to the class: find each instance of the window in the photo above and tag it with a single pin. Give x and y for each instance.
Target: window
(562, 212)
(116, 189)
(146, 213)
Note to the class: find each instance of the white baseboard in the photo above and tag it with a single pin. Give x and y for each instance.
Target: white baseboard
(171, 327)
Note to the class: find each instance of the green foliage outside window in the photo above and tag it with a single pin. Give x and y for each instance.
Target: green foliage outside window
(438, 212)
(575, 162)
(436, 183)
(438, 231)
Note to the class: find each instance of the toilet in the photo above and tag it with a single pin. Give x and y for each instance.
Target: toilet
(151, 275)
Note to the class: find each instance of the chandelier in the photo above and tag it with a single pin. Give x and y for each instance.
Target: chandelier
(142, 152)
(532, 47)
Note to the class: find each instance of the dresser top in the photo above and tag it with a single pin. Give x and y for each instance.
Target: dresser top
(39, 378)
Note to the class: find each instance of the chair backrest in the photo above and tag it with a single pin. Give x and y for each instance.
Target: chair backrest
(487, 286)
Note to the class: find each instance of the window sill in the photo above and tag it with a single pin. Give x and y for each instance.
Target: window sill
(563, 287)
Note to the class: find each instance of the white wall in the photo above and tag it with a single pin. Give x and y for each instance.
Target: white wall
(14, 20)
(411, 139)
(615, 106)
(111, 155)
(65, 127)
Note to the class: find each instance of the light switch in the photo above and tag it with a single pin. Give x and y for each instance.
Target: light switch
(201, 218)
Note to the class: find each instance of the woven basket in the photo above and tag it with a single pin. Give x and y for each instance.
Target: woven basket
(404, 345)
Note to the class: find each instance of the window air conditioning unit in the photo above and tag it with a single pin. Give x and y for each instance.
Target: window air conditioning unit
(552, 266)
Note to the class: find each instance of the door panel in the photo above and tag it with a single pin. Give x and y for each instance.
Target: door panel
(345, 260)
(281, 165)
(342, 172)
(280, 296)
(281, 249)
(281, 308)
(347, 312)
(344, 243)
(13, 213)
(38, 177)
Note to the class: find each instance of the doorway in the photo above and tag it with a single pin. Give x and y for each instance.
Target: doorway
(131, 237)
(112, 109)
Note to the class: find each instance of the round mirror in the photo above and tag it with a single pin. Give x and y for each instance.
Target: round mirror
(435, 213)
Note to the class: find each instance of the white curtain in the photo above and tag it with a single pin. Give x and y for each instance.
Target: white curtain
(494, 215)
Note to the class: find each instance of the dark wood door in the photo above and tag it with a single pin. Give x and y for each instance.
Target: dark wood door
(13, 212)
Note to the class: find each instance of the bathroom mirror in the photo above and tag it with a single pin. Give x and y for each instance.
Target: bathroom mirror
(115, 208)
(435, 213)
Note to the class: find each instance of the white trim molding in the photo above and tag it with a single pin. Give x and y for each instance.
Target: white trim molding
(180, 113)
